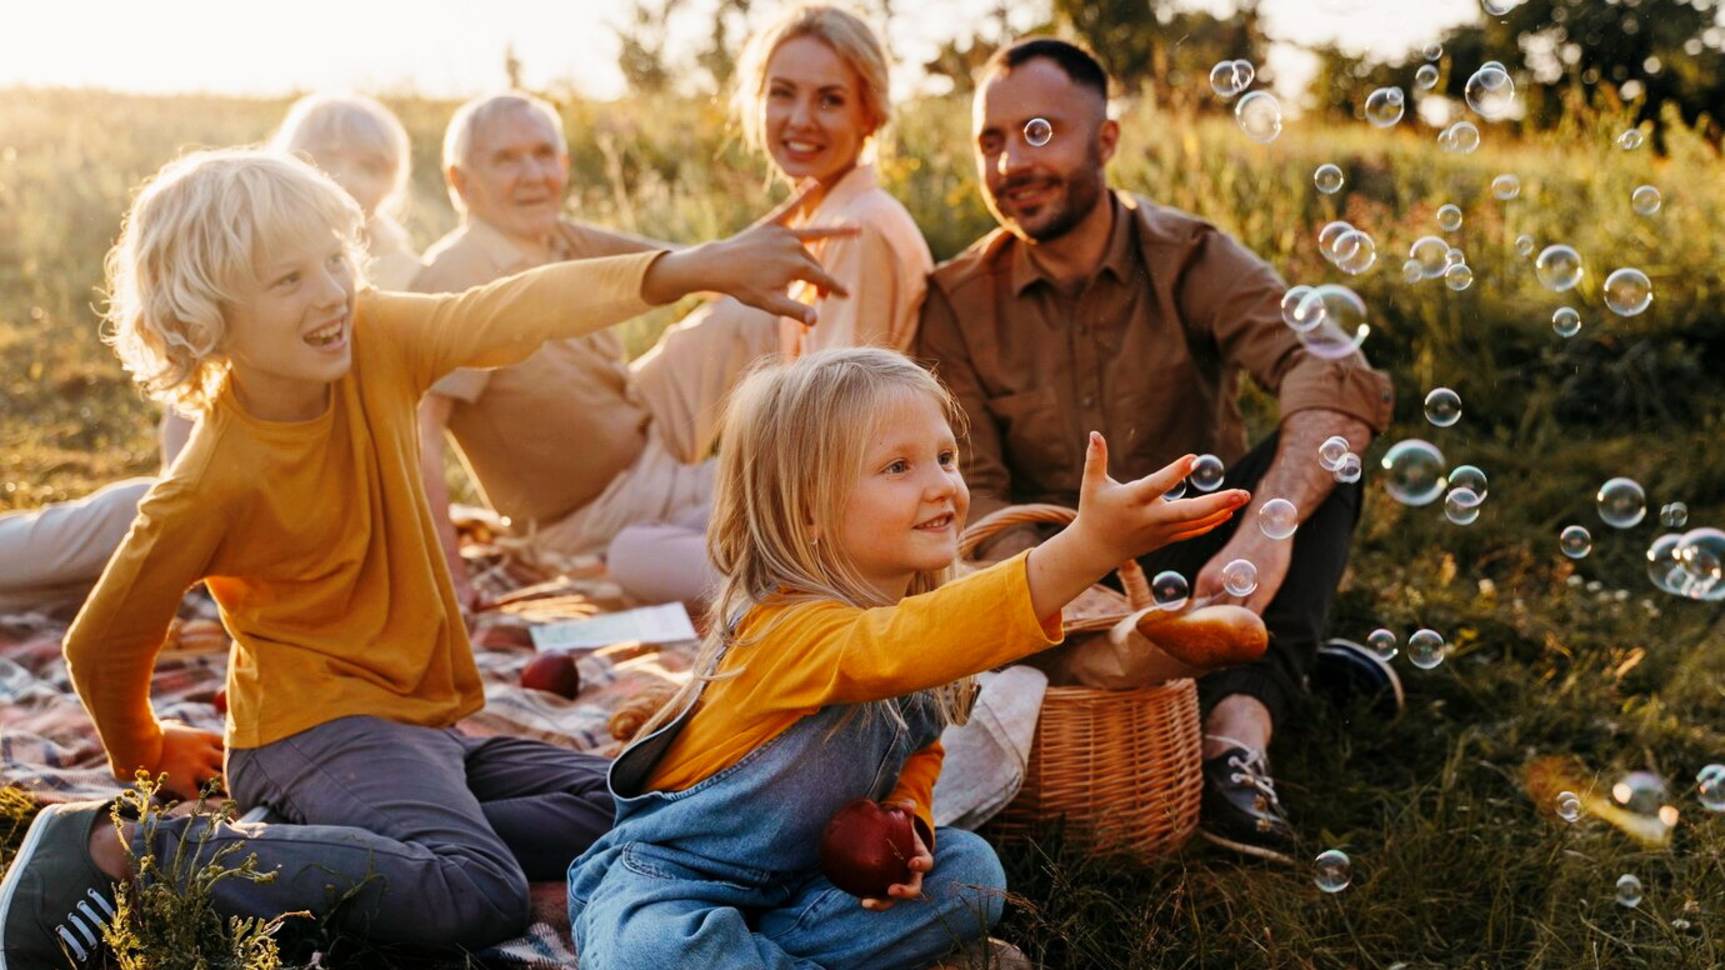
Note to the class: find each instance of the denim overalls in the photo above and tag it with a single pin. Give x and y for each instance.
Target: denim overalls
(727, 873)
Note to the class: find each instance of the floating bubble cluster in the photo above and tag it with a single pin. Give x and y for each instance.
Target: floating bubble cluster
(1384, 107)
(1622, 503)
(1628, 292)
(1240, 578)
(1505, 187)
(1229, 78)
(1558, 267)
(1328, 178)
(1425, 649)
(1461, 138)
(1461, 506)
(1259, 115)
(1413, 472)
(1038, 132)
(1170, 590)
(1575, 541)
(1278, 519)
(1565, 321)
(1332, 871)
(1331, 452)
(1490, 92)
(1355, 252)
(1330, 235)
(1443, 407)
(1674, 515)
(1645, 200)
(1206, 474)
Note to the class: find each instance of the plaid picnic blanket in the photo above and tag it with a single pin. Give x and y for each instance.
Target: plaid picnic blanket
(49, 747)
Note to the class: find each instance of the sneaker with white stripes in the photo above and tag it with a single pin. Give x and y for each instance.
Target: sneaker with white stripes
(54, 902)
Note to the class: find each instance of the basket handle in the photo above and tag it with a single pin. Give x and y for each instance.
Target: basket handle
(1131, 574)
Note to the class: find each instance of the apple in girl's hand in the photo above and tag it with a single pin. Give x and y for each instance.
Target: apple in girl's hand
(221, 702)
(554, 672)
(867, 847)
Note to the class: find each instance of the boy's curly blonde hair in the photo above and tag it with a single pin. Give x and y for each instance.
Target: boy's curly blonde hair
(189, 249)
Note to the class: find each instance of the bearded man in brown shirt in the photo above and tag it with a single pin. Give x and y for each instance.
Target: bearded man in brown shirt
(1097, 309)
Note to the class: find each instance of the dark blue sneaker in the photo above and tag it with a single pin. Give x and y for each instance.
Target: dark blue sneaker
(54, 902)
(1346, 672)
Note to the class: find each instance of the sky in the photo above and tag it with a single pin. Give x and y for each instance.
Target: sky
(454, 48)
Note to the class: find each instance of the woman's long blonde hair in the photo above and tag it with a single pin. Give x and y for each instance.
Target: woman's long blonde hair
(795, 435)
(848, 35)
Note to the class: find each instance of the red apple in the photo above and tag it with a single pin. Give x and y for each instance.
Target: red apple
(867, 847)
(554, 672)
(221, 702)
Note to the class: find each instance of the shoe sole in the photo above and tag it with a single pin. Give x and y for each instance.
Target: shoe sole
(1392, 681)
(1246, 848)
(15, 874)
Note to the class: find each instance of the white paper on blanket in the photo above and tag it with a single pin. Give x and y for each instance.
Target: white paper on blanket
(667, 623)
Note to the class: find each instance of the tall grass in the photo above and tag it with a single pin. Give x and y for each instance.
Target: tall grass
(1458, 859)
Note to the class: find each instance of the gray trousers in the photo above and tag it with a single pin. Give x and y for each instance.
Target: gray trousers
(440, 830)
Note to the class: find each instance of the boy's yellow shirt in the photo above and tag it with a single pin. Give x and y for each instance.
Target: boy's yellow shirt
(315, 537)
(794, 659)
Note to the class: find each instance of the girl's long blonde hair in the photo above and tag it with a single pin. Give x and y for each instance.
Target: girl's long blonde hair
(848, 35)
(794, 441)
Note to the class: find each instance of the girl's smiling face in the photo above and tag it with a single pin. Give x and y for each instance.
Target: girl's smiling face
(812, 112)
(908, 505)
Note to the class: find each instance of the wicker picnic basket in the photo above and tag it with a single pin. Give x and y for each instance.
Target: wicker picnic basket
(1122, 767)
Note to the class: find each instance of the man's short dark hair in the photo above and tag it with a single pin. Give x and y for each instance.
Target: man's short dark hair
(1079, 65)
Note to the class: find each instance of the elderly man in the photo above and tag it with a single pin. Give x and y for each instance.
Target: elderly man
(1097, 309)
(573, 444)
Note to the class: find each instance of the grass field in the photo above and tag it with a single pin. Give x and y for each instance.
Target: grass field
(1458, 860)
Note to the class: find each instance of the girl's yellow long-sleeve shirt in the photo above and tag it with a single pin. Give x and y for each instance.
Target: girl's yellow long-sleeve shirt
(315, 537)
(812, 654)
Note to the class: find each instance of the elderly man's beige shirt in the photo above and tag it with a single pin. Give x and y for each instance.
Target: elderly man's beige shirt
(1149, 352)
(546, 436)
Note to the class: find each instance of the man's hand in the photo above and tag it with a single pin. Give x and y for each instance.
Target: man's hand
(190, 758)
(1271, 556)
(920, 863)
(756, 265)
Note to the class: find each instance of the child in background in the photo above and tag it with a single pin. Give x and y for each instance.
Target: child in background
(234, 292)
(837, 652)
(362, 145)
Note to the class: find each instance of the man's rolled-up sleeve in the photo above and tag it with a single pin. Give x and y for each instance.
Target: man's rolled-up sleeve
(1237, 297)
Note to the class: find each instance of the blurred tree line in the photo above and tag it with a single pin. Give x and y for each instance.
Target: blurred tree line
(1645, 53)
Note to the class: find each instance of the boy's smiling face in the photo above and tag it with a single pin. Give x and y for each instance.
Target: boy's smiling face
(290, 332)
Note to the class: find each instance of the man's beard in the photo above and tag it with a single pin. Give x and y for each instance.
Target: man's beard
(1082, 194)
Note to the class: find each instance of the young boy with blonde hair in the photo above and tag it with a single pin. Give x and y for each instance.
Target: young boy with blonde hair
(234, 293)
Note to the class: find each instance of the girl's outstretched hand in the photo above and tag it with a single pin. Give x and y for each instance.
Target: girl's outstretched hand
(920, 863)
(1118, 521)
(755, 266)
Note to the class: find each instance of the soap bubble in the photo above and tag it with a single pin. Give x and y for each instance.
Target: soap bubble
(1575, 541)
(1355, 252)
(1331, 452)
(1702, 553)
(1431, 52)
(1330, 235)
(1349, 471)
(1628, 292)
(1630, 140)
(1413, 472)
(1458, 277)
(1178, 491)
(1291, 309)
(1229, 78)
(1505, 187)
(1425, 649)
(1332, 871)
(1674, 515)
(1622, 503)
(1565, 321)
(1641, 792)
(1260, 116)
(1443, 407)
(1461, 138)
(1037, 131)
(1645, 200)
(1384, 106)
(1490, 92)
(1382, 643)
(1710, 785)
(1469, 477)
(1449, 217)
(1558, 267)
(1628, 891)
(1206, 474)
(1453, 257)
(1429, 252)
(1412, 271)
(1426, 77)
(1328, 178)
(1497, 8)
(1663, 566)
(1461, 506)
(1524, 245)
(1240, 578)
(1568, 806)
(1342, 326)
(1170, 590)
(1278, 518)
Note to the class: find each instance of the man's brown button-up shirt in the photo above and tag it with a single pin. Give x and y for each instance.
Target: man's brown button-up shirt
(1149, 351)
